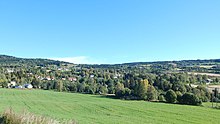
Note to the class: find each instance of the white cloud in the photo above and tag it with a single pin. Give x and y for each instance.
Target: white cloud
(78, 60)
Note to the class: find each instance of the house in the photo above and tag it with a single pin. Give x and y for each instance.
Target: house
(72, 79)
(29, 74)
(66, 69)
(10, 70)
(47, 78)
(11, 84)
(115, 77)
(18, 87)
(208, 81)
(192, 85)
(28, 86)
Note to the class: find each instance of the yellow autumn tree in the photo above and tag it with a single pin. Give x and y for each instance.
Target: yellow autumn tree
(142, 89)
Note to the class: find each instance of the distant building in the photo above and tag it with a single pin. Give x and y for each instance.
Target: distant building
(208, 81)
(10, 70)
(192, 85)
(18, 87)
(28, 86)
(48, 78)
(11, 84)
(72, 79)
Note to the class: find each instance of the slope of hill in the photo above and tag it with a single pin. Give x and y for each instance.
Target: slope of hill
(6, 60)
(87, 109)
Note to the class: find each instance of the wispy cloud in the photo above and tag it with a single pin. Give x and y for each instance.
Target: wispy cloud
(79, 60)
(90, 60)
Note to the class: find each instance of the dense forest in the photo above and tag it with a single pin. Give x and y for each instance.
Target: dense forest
(182, 82)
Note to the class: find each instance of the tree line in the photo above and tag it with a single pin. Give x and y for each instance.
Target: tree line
(153, 82)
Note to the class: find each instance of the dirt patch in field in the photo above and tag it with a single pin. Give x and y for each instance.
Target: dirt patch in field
(213, 87)
(208, 74)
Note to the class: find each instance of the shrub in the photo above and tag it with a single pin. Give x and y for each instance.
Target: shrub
(161, 98)
(190, 99)
(151, 93)
(10, 117)
(179, 96)
(170, 96)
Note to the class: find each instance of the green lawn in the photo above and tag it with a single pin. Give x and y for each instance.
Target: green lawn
(97, 109)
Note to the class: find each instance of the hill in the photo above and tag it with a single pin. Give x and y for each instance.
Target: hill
(6, 60)
(157, 81)
(87, 109)
(188, 65)
(11, 59)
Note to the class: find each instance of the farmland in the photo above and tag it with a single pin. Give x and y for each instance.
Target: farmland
(208, 74)
(86, 108)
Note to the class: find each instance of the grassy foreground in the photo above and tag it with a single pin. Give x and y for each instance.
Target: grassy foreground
(97, 109)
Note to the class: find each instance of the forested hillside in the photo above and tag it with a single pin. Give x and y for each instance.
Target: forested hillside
(14, 61)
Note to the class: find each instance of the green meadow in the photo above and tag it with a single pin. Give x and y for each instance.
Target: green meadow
(84, 108)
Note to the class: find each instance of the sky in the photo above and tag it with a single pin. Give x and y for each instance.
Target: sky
(110, 31)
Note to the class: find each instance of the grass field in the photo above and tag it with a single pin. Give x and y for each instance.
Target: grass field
(98, 109)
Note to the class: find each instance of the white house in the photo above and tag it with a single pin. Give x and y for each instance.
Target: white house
(12, 84)
(72, 79)
(10, 70)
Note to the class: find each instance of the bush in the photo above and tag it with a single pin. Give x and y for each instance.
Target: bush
(190, 99)
(151, 93)
(179, 96)
(170, 96)
(123, 93)
(10, 117)
(161, 98)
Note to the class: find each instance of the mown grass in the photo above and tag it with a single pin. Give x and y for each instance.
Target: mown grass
(98, 109)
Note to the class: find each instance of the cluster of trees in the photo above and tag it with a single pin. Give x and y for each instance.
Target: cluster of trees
(164, 88)
(186, 98)
(154, 82)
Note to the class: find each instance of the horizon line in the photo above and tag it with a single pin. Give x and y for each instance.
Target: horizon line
(83, 58)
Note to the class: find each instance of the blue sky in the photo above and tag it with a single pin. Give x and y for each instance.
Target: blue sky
(110, 31)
